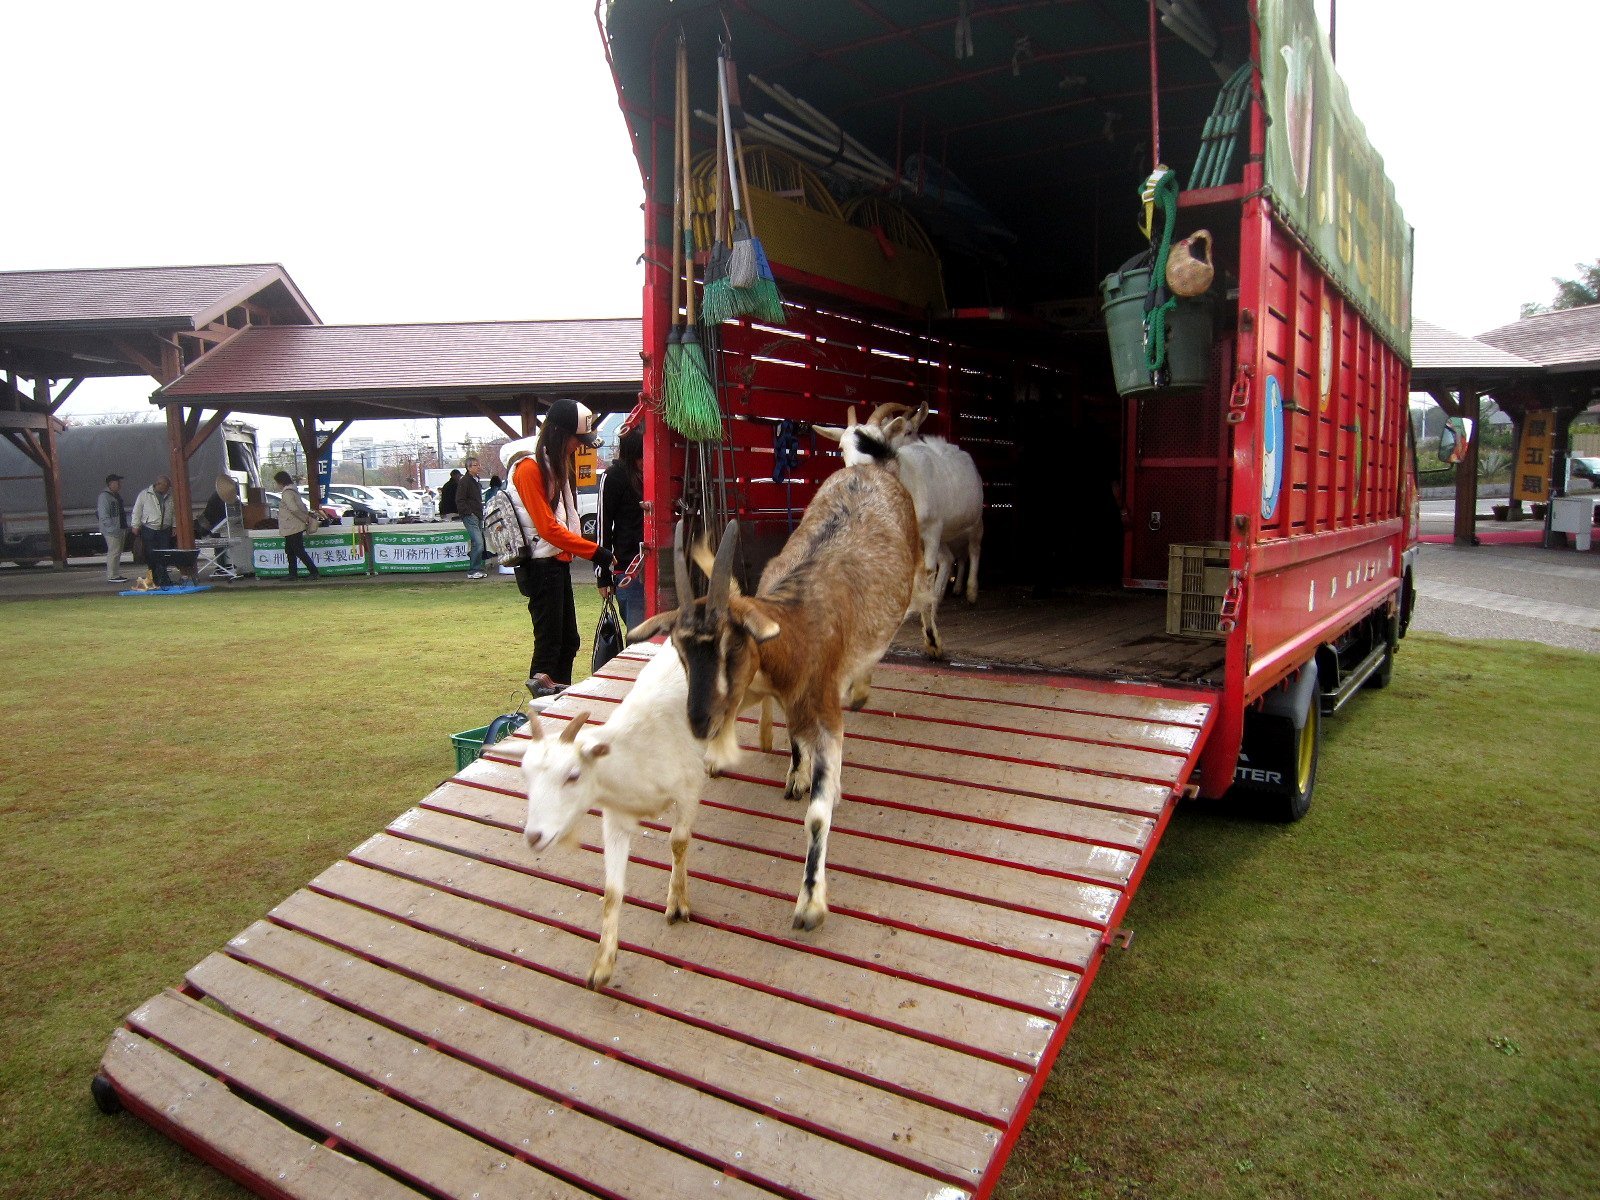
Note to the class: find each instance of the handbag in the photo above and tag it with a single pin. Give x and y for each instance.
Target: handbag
(610, 634)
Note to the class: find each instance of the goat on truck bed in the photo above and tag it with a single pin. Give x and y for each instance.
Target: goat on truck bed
(643, 763)
(825, 612)
(946, 491)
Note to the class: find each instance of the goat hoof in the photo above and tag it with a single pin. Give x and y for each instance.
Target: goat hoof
(679, 912)
(598, 979)
(809, 919)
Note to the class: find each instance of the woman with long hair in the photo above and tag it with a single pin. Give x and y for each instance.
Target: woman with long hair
(539, 475)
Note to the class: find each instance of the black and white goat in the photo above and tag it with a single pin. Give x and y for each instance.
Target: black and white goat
(946, 491)
(826, 609)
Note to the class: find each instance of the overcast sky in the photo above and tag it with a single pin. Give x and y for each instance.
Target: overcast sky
(468, 161)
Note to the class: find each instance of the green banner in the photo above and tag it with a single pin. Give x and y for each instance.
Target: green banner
(1325, 180)
(426, 548)
(335, 553)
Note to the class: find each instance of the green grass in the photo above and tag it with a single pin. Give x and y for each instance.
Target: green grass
(1395, 998)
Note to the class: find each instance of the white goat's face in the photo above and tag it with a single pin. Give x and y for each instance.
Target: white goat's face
(562, 784)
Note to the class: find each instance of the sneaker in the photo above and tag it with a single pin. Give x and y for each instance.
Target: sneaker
(477, 575)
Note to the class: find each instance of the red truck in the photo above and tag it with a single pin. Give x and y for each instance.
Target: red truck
(950, 204)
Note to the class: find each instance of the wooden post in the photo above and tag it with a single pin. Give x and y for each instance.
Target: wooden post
(1466, 522)
(182, 501)
(52, 475)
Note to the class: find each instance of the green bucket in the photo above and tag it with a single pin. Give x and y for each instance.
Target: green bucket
(1189, 334)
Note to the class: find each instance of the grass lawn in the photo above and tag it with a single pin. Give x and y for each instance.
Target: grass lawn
(1397, 997)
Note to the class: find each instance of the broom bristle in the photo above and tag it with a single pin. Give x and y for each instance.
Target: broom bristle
(692, 409)
(718, 302)
(742, 258)
(768, 305)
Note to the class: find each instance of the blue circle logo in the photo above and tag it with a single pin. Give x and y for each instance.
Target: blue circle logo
(1272, 449)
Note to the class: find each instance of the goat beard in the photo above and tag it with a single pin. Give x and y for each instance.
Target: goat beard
(722, 749)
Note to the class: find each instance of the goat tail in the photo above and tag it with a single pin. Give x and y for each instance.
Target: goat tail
(766, 722)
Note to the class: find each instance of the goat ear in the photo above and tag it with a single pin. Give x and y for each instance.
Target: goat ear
(648, 628)
(832, 432)
(755, 622)
(513, 747)
(593, 750)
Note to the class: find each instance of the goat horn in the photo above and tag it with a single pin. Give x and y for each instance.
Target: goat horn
(886, 411)
(680, 571)
(722, 569)
(571, 731)
(850, 417)
(534, 726)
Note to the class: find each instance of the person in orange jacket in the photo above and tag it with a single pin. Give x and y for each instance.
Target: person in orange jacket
(539, 474)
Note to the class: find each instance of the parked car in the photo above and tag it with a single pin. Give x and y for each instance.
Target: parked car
(373, 498)
(1587, 468)
(410, 504)
(335, 508)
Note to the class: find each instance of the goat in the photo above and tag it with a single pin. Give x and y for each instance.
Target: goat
(642, 763)
(946, 492)
(827, 607)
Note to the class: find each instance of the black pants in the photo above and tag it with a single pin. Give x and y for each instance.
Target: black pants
(547, 583)
(294, 545)
(157, 539)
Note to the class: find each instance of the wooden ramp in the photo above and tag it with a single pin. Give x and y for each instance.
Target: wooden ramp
(414, 1020)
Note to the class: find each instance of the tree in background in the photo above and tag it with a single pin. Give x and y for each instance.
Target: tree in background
(1571, 293)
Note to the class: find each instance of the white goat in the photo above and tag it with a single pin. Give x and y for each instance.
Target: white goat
(643, 762)
(946, 491)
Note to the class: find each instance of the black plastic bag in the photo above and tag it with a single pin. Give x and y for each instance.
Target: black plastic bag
(610, 634)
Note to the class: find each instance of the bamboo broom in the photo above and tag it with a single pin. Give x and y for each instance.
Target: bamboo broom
(692, 408)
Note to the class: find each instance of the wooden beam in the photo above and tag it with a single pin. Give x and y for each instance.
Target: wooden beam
(1466, 522)
(51, 461)
(72, 386)
(27, 443)
(493, 416)
(139, 359)
(182, 501)
(197, 439)
(24, 420)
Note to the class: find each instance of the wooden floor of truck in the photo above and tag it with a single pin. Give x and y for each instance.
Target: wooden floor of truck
(1103, 633)
(414, 1021)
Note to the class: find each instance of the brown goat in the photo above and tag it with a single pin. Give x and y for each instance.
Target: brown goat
(825, 612)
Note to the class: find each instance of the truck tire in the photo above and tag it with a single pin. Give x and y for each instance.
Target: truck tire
(1277, 777)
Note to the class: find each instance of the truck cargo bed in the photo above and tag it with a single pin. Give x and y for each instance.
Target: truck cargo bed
(1102, 633)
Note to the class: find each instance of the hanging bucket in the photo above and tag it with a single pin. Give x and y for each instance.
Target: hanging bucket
(1189, 333)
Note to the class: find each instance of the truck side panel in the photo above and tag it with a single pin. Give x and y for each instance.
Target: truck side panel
(1330, 405)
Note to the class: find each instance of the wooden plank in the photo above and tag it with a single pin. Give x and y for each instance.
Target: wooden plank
(597, 1119)
(894, 903)
(392, 1134)
(1040, 988)
(201, 1112)
(462, 947)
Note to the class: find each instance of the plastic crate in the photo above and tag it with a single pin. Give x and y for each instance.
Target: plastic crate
(1197, 578)
(468, 746)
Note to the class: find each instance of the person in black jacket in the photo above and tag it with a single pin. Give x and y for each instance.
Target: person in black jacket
(622, 516)
(447, 495)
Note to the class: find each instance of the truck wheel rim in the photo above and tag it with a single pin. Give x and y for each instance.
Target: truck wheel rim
(1308, 746)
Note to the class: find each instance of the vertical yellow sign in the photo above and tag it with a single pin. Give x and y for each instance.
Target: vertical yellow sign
(1531, 479)
(586, 466)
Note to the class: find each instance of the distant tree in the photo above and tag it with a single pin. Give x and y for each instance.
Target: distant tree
(1571, 293)
(116, 418)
